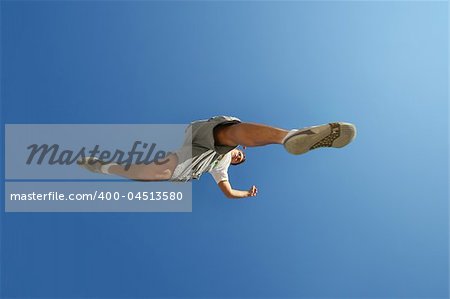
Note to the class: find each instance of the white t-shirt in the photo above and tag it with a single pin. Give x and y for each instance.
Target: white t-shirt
(220, 170)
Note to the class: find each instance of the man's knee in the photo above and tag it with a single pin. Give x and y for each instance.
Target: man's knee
(223, 134)
(158, 172)
(154, 174)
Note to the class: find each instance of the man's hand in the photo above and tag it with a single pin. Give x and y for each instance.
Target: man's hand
(253, 191)
(232, 193)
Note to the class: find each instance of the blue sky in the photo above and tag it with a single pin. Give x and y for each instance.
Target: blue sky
(370, 220)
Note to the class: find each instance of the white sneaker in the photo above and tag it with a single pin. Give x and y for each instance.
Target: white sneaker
(338, 134)
(92, 164)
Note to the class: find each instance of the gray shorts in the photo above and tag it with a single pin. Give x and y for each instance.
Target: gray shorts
(200, 137)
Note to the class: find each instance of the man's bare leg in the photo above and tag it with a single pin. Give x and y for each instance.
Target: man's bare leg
(248, 134)
(163, 170)
(297, 141)
(150, 172)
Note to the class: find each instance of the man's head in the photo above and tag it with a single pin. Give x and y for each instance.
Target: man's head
(237, 157)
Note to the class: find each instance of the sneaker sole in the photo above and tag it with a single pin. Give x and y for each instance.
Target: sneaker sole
(330, 135)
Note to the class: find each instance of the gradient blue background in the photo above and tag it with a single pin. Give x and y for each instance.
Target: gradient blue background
(370, 220)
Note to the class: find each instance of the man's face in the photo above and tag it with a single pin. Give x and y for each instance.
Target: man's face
(237, 156)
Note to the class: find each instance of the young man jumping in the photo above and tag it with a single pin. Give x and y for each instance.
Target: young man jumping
(211, 146)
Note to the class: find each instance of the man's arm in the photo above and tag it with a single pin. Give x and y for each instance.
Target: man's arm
(229, 192)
